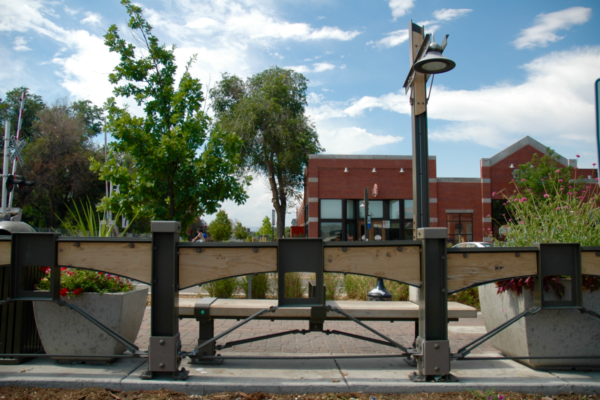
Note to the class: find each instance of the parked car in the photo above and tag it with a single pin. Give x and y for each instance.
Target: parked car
(473, 245)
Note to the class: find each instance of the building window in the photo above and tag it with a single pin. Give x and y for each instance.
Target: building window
(331, 209)
(499, 219)
(460, 227)
(394, 209)
(375, 209)
(350, 209)
(331, 231)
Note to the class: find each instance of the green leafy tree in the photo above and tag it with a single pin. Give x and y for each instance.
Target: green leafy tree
(90, 114)
(220, 228)
(240, 231)
(177, 168)
(58, 161)
(267, 113)
(9, 109)
(266, 228)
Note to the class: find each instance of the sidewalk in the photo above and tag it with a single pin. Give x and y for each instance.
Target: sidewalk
(373, 375)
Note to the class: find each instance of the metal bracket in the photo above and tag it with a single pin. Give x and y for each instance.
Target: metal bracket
(317, 318)
(202, 308)
(164, 359)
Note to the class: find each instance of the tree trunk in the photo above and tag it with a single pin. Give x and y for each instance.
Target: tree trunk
(280, 221)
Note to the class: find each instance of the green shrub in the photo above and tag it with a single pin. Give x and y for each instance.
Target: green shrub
(223, 288)
(293, 285)
(469, 297)
(261, 286)
(333, 286)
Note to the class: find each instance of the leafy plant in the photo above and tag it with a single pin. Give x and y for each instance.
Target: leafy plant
(558, 211)
(239, 231)
(261, 286)
(84, 221)
(333, 285)
(469, 297)
(222, 288)
(293, 285)
(74, 282)
(487, 395)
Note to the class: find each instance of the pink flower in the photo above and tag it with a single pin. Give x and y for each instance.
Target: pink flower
(560, 180)
(493, 193)
(580, 197)
(558, 208)
(562, 188)
(587, 187)
(577, 156)
(523, 180)
(546, 195)
(557, 171)
(521, 222)
(569, 193)
(570, 187)
(524, 199)
(594, 164)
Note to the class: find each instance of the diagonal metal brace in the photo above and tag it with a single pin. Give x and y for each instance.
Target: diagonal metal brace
(258, 338)
(228, 331)
(394, 343)
(463, 352)
(130, 346)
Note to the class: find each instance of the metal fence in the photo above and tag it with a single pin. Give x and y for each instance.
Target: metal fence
(169, 266)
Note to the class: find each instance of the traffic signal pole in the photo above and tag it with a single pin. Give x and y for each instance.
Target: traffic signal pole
(5, 165)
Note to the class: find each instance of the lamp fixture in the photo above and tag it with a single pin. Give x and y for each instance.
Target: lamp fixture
(401, 170)
(434, 62)
(511, 166)
(346, 170)
(374, 170)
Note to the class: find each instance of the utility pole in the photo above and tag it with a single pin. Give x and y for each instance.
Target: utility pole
(5, 164)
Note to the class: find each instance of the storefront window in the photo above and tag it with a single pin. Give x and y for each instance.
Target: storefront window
(351, 231)
(408, 209)
(460, 228)
(394, 209)
(350, 209)
(375, 209)
(331, 209)
(331, 231)
(394, 231)
(408, 230)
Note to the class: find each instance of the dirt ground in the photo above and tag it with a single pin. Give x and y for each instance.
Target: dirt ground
(13, 392)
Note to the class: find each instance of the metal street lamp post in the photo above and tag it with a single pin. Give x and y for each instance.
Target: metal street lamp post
(426, 59)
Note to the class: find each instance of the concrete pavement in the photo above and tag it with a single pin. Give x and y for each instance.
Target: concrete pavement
(383, 375)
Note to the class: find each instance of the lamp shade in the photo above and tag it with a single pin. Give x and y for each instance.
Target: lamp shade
(434, 62)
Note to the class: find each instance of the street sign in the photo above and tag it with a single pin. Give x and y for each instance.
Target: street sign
(17, 146)
(598, 121)
(368, 222)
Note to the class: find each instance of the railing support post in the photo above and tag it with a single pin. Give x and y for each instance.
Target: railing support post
(165, 343)
(432, 345)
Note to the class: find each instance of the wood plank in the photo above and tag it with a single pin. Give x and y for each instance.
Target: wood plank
(478, 268)
(5, 252)
(386, 262)
(217, 263)
(115, 258)
(363, 310)
(590, 263)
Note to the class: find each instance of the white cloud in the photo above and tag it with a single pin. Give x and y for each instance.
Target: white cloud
(392, 39)
(317, 67)
(546, 25)
(92, 19)
(352, 140)
(70, 11)
(555, 103)
(447, 14)
(400, 7)
(19, 44)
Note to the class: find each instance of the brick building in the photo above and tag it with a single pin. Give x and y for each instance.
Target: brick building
(335, 185)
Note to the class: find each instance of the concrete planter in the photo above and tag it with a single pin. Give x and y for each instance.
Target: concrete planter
(549, 333)
(64, 331)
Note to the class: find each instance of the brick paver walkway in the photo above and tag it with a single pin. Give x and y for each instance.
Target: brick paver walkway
(460, 333)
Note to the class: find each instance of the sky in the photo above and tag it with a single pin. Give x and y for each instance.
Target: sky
(522, 68)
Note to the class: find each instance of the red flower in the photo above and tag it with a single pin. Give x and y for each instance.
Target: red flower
(63, 269)
(100, 273)
(64, 291)
(77, 291)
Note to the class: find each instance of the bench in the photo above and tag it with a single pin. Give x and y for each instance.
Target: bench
(208, 309)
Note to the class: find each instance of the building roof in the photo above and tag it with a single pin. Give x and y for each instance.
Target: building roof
(527, 140)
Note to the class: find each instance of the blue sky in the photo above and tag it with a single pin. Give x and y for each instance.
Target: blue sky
(523, 67)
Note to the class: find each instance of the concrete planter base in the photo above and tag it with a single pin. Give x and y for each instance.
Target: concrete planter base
(65, 331)
(549, 333)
